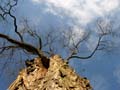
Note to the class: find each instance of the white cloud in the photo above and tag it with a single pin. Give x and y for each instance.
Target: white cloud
(79, 12)
(83, 11)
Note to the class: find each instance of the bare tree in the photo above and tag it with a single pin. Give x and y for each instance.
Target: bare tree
(47, 46)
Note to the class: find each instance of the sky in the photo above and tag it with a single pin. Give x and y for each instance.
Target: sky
(103, 69)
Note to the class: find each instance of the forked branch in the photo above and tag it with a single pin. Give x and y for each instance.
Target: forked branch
(5, 12)
(27, 47)
(89, 56)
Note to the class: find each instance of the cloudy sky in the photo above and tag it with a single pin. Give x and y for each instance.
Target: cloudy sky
(103, 69)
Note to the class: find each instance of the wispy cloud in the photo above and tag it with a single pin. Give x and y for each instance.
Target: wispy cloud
(79, 12)
(83, 11)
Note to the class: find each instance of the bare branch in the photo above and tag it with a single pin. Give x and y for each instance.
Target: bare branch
(15, 26)
(51, 39)
(104, 30)
(87, 57)
(7, 48)
(28, 29)
(23, 45)
(28, 48)
(8, 12)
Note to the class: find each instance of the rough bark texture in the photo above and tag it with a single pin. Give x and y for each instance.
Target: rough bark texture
(59, 76)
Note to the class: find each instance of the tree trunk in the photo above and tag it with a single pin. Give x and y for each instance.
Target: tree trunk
(59, 76)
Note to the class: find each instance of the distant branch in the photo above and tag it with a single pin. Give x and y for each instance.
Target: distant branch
(7, 48)
(32, 33)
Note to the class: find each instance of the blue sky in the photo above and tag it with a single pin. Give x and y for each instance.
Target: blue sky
(103, 69)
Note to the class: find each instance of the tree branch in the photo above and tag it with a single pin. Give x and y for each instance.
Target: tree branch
(15, 26)
(8, 12)
(87, 57)
(34, 34)
(7, 48)
(27, 47)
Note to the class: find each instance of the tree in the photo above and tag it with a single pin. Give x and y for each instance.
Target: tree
(46, 46)
(67, 38)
